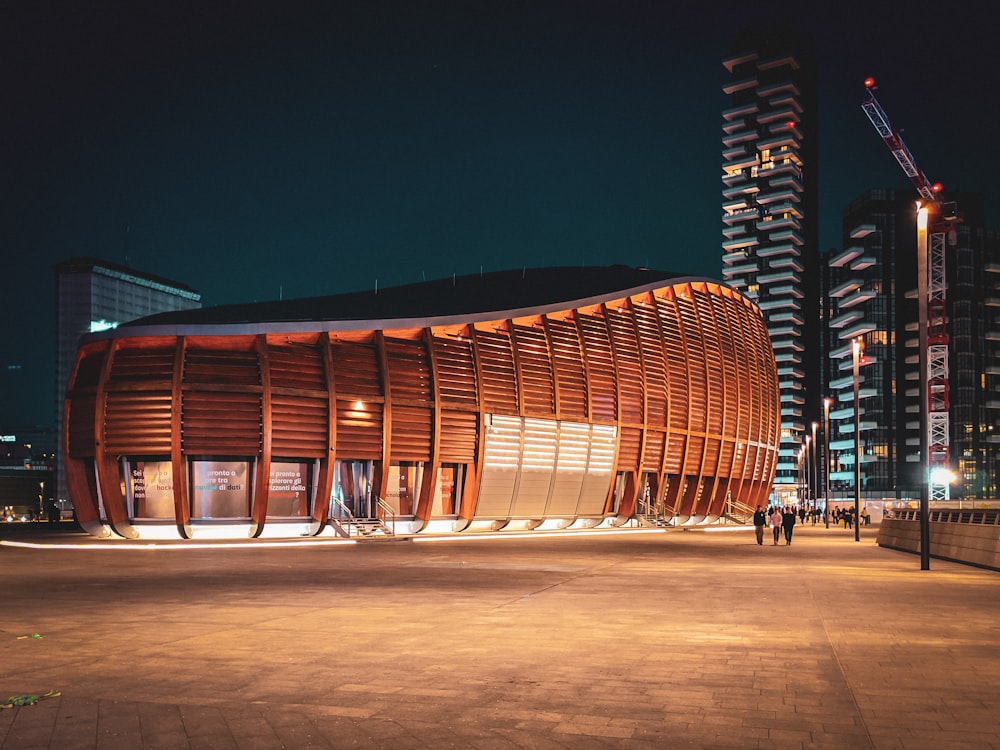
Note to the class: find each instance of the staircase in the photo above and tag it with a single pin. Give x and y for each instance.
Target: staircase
(350, 526)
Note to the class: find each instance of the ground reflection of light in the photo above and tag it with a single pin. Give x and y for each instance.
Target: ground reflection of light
(181, 544)
(533, 535)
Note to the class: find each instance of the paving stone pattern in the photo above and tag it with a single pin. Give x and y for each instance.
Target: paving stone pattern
(666, 639)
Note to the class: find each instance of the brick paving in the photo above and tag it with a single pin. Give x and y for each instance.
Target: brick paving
(665, 639)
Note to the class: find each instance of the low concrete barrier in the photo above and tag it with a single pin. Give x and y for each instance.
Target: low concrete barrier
(970, 543)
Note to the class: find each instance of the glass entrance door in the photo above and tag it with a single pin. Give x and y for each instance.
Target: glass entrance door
(352, 495)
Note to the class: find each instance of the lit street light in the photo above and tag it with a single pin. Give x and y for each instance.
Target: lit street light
(805, 503)
(815, 467)
(856, 351)
(826, 460)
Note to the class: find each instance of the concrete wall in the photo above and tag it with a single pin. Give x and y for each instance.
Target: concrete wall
(973, 544)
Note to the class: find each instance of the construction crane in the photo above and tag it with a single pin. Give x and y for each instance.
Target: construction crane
(940, 226)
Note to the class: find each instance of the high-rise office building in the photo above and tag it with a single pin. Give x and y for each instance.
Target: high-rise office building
(871, 293)
(94, 295)
(770, 247)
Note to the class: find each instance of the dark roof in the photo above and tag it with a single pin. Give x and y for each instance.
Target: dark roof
(455, 296)
(88, 265)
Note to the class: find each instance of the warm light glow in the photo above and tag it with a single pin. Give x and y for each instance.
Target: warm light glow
(942, 475)
(922, 214)
(869, 83)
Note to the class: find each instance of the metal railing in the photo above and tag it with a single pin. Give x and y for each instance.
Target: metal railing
(979, 517)
(348, 519)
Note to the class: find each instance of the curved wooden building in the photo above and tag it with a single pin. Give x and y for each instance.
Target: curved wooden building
(541, 398)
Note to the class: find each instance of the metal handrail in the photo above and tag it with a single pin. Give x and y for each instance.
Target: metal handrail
(387, 509)
(977, 517)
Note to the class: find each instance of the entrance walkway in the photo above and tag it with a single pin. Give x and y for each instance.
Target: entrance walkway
(642, 639)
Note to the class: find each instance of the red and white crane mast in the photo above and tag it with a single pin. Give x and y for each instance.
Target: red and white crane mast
(939, 226)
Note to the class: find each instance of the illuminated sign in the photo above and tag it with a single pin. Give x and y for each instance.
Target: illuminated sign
(287, 489)
(153, 489)
(220, 489)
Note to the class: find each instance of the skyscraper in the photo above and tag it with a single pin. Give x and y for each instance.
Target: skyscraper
(769, 211)
(872, 297)
(94, 295)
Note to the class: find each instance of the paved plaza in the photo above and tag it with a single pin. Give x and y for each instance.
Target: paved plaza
(643, 639)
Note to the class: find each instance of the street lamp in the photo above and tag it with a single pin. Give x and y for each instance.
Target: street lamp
(815, 467)
(826, 459)
(856, 352)
(805, 461)
(923, 314)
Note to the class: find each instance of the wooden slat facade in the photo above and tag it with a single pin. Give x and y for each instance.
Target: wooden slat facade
(683, 374)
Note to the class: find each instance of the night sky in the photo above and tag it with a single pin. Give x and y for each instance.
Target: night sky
(263, 150)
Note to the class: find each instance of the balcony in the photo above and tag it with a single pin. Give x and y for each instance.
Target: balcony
(846, 256)
(858, 329)
(739, 215)
(744, 269)
(787, 235)
(742, 187)
(785, 114)
(788, 274)
(739, 243)
(735, 152)
(773, 223)
(862, 230)
(788, 208)
(785, 290)
(862, 295)
(784, 181)
(764, 198)
(846, 318)
(786, 99)
(742, 85)
(743, 110)
(781, 262)
(769, 250)
(737, 163)
(786, 316)
(736, 138)
(784, 87)
(865, 261)
(739, 256)
(787, 139)
(779, 303)
(844, 287)
(787, 357)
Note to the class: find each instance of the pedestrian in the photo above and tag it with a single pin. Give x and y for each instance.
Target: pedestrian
(759, 522)
(788, 523)
(774, 521)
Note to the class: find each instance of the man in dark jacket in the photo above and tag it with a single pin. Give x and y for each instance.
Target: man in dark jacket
(759, 521)
(788, 523)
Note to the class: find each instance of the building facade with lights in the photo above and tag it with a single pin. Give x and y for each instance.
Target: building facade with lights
(538, 399)
(770, 246)
(94, 295)
(871, 291)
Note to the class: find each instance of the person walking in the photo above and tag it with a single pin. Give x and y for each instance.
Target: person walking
(759, 522)
(788, 523)
(774, 521)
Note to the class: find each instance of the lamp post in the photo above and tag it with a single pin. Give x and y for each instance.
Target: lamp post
(815, 467)
(856, 352)
(923, 314)
(826, 460)
(805, 503)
